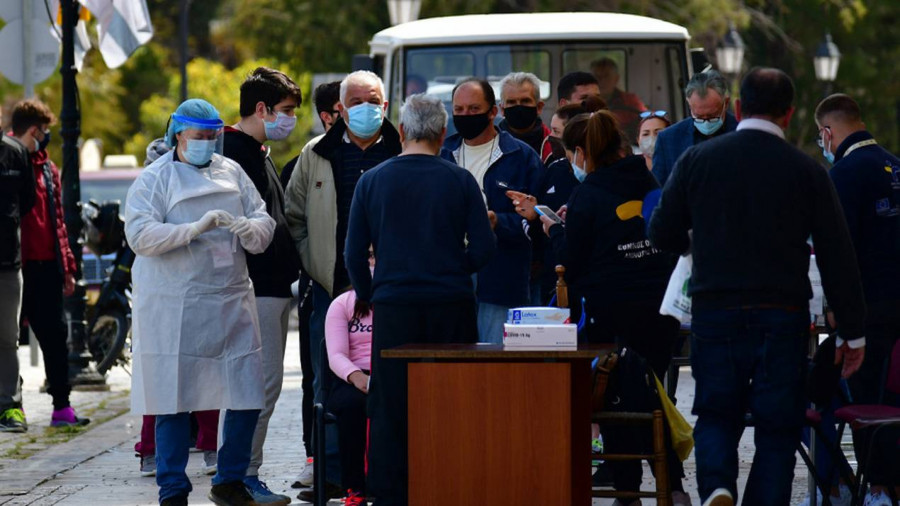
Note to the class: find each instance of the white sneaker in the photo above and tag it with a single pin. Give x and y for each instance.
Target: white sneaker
(878, 499)
(843, 500)
(305, 478)
(210, 460)
(720, 497)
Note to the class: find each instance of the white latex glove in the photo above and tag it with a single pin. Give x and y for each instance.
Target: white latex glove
(241, 227)
(209, 221)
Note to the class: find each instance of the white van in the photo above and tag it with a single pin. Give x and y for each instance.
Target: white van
(434, 54)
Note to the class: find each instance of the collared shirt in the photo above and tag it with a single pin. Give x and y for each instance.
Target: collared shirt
(761, 124)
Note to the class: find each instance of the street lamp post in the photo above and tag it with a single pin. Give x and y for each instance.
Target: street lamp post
(826, 62)
(81, 374)
(730, 53)
(403, 11)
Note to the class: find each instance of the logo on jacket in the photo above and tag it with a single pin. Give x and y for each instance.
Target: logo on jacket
(629, 210)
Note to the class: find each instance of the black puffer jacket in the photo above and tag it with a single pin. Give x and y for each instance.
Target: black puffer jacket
(17, 196)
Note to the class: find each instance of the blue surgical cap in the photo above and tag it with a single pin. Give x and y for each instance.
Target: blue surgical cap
(193, 113)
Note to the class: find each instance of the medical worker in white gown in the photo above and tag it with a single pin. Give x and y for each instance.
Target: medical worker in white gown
(190, 216)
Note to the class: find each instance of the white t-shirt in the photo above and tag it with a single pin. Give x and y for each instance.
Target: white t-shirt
(476, 159)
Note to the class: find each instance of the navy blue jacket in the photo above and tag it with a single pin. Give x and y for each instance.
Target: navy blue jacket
(675, 140)
(505, 279)
(867, 181)
(417, 211)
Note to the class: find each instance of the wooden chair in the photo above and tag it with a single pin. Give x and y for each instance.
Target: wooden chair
(654, 420)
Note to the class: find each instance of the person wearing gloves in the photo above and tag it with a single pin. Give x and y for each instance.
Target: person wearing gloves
(196, 335)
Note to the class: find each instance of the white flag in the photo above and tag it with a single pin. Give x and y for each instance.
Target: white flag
(122, 26)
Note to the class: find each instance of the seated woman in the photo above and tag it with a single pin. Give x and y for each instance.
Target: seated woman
(348, 339)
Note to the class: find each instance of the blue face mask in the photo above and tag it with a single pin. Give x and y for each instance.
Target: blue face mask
(281, 127)
(708, 126)
(828, 155)
(365, 120)
(199, 152)
(580, 174)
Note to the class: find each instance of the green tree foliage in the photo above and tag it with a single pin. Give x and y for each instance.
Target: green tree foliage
(128, 107)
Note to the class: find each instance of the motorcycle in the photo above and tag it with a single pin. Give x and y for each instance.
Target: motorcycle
(109, 322)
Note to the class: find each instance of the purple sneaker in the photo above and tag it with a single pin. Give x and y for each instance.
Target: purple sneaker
(65, 417)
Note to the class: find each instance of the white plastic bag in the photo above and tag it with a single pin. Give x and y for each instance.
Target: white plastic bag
(676, 302)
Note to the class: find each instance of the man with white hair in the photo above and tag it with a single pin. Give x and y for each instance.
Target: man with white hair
(414, 202)
(318, 196)
(521, 106)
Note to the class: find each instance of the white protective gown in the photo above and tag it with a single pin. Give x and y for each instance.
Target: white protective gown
(196, 343)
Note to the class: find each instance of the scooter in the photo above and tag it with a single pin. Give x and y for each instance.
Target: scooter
(109, 324)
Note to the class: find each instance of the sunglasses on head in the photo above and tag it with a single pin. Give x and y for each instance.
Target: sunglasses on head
(657, 114)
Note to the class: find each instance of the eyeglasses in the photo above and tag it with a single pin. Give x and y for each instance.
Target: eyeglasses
(819, 140)
(707, 120)
(656, 114)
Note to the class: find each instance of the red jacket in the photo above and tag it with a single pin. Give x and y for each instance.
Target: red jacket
(44, 235)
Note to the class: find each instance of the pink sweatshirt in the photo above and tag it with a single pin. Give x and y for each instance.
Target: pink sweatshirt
(349, 340)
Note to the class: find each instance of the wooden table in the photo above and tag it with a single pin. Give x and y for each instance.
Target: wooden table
(489, 425)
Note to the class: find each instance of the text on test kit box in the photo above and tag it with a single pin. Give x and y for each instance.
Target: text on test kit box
(537, 315)
(540, 335)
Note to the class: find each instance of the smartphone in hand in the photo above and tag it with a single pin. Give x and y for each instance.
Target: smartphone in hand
(546, 211)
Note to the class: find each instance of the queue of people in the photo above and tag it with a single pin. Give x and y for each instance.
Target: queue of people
(220, 236)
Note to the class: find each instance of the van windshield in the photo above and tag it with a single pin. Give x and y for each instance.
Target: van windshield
(634, 76)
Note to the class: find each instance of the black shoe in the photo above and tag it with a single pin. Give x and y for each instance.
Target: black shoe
(178, 500)
(332, 491)
(603, 476)
(233, 493)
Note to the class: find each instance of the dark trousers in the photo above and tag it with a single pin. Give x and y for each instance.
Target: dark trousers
(348, 405)
(394, 325)
(749, 360)
(304, 311)
(867, 386)
(42, 305)
(639, 326)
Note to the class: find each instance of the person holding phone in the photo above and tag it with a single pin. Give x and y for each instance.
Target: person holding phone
(610, 263)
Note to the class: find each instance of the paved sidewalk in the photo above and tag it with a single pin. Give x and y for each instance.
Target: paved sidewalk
(97, 466)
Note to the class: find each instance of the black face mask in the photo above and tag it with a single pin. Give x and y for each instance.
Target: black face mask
(44, 143)
(520, 117)
(472, 125)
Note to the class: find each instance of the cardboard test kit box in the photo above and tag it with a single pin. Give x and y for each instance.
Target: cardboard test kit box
(559, 336)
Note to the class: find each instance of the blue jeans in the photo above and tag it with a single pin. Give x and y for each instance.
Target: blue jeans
(173, 434)
(749, 360)
(491, 318)
(321, 301)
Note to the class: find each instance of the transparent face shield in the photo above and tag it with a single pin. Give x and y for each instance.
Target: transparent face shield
(202, 129)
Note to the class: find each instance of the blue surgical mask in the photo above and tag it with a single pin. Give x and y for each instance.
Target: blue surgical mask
(828, 155)
(281, 127)
(199, 152)
(579, 172)
(708, 126)
(365, 120)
